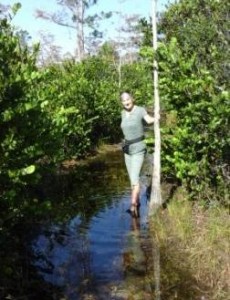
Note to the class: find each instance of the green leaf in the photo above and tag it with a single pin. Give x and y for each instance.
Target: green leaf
(29, 170)
(16, 7)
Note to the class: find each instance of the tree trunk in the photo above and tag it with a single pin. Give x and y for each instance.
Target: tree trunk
(155, 197)
(80, 30)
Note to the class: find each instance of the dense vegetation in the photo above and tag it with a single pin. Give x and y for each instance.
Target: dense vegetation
(63, 111)
(193, 64)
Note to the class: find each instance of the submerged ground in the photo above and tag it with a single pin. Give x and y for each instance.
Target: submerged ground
(84, 245)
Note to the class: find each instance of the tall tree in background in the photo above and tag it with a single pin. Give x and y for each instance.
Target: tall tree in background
(78, 20)
(49, 52)
(155, 198)
(129, 37)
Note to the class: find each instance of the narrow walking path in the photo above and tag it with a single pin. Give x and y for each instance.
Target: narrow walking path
(106, 256)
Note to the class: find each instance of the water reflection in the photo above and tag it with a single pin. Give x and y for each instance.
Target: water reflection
(85, 246)
(80, 255)
(85, 252)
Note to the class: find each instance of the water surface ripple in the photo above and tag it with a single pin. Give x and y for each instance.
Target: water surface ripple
(87, 255)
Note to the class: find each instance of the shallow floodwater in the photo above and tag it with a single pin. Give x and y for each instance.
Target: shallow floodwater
(89, 258)
(77, 240)
(89, 254)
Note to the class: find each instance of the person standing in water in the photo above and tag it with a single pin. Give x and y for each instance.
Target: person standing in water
(133, 118)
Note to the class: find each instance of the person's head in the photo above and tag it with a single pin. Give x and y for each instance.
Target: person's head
(127, 101)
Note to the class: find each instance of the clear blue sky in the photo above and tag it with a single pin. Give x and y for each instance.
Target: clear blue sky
(64, 37)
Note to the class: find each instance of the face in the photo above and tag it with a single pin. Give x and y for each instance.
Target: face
(127, 102)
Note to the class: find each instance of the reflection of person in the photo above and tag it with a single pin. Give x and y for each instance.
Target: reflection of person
(136, 226)
(132, 125)
(134, 256)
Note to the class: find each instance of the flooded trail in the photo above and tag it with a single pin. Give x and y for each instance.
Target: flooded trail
(76, 241)
(94, 259)
(98, 251)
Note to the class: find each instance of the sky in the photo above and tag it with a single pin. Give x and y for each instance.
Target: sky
(65, 37)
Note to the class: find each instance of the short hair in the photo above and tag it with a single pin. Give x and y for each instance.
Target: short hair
(126, 95)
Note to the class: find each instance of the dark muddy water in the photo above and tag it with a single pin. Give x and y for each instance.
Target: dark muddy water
(86, 246)
(76, 241)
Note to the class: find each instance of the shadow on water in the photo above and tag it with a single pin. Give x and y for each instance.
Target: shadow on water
(85, 246)
(85, 255)
(72, 249)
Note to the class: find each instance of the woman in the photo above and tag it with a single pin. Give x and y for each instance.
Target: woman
(132, 125)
